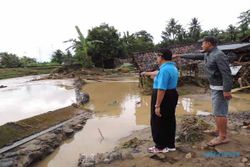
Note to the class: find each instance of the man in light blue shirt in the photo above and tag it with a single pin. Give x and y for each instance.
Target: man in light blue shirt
(163, 103)
(167, 77)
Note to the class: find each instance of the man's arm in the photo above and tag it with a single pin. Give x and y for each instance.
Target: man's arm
(223, 65)
(160, 96)
(195, 56)
(151, 74)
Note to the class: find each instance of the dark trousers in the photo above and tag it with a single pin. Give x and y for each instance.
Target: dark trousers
(163, 128)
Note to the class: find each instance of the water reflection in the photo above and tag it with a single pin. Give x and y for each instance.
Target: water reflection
(23, 99)
(187, 104)
(117, 105)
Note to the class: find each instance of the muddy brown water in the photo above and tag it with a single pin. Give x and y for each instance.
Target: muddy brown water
(120, 108)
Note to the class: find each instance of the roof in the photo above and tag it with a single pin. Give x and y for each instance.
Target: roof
(233, 46)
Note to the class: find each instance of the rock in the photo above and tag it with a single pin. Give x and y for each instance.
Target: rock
(74, 105)
(8, 162)
(33, 147)
(244, 160)
(78, 127)
(107, 161)
(82, 98)
(36, 155)
(47, 137)
(127, 155)
(86, 161)
(188, 155)
(2, 86)
(115, 156)
(68, 132)
(99, 158)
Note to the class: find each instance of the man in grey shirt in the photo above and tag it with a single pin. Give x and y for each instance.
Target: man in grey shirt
(220, 80)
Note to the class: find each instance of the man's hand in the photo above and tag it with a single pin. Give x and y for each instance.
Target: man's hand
(158, 111)
(227, 95)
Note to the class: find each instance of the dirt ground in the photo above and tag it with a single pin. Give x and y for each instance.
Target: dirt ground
(190, 154)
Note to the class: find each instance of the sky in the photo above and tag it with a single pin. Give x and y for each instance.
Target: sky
(36, 28)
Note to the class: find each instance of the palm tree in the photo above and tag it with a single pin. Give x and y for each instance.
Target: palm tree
(195, 29)
(170, 30)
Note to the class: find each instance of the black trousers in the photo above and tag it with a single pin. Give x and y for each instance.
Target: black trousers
(163, 128)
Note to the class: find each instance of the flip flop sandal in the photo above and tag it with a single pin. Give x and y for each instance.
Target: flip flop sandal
(217, 141)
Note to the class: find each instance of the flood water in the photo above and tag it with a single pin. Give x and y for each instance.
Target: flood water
(23, 99)
(119, 108)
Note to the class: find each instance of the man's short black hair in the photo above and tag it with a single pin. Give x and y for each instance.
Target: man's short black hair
(165, 53)
(210, 39)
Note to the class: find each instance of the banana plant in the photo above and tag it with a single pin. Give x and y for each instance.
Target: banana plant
(80, 47)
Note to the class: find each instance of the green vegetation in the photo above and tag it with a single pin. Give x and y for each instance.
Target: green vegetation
(175, 33)
(19, 72)
(14, 131)
(103, 53)
(9, 60)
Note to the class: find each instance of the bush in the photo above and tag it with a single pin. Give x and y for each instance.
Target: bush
(9, 60)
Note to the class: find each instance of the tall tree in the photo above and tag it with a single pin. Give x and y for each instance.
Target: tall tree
(170, 31)
(57, 57)
(232, 32)
(137, 42)
(195, 29)
(244, 22)
(104, 51)
(9, 60)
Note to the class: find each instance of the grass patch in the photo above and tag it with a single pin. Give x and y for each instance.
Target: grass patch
(19, 72)
(15, 131)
